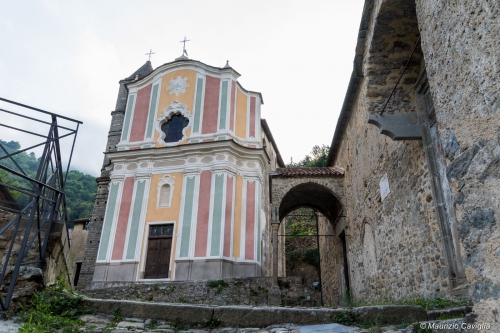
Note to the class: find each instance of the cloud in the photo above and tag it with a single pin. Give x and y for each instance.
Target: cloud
(52, 5)
(97, 70)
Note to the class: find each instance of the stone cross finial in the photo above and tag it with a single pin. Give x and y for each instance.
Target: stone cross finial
(184, 52)
(150, 53)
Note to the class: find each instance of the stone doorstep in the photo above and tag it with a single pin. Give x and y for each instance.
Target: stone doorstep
(246, 316)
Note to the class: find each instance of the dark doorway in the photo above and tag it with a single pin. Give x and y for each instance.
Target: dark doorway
(77, 273)
(159, 249)
(346, 267)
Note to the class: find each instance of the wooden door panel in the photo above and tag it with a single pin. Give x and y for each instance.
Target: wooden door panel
(158, 258)
(151, 259)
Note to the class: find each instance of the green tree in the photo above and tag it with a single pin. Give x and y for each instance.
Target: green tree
(317, 158)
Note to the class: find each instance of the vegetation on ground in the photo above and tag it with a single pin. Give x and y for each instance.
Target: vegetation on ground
(346, 318)
(80, 188)
(54, 309)
(282, 284)
(437, 303)
(446, 316)
(219, 284)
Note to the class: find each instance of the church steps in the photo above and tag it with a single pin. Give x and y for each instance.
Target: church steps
(248, 316)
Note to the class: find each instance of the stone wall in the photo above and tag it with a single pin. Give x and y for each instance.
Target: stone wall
(58, 258)
(394, 245)
(435, 234)
(332, 264)
(461, 49)
(229, 291)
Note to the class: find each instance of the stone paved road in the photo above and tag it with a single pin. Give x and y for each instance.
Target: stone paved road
(96, 324)
(9, 326)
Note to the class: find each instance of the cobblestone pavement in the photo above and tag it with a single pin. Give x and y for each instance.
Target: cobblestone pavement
(102, 323)
(8, 326)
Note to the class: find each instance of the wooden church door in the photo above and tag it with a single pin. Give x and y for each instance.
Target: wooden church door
(159, 250)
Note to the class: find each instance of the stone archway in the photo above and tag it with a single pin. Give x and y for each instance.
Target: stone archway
(323, 190)
(310, 194)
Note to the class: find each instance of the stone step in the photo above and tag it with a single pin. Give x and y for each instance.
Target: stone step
(247, 316)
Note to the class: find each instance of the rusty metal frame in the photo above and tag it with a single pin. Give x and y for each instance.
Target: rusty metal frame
(32, 222)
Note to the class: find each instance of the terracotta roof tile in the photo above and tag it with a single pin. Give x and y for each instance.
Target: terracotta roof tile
(325, 171)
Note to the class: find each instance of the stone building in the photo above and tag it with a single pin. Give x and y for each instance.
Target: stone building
(78, 238)
(182, 194)
(422, 173)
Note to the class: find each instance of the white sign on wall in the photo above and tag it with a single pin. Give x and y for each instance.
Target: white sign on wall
(384, 187)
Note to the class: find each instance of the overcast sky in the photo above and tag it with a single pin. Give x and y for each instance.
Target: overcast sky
(68, 56)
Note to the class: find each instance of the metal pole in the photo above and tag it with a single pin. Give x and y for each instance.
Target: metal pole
(400, 76)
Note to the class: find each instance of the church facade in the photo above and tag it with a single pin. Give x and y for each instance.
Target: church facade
(182, 191)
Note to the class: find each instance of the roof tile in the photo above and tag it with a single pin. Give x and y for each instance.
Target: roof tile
(317, 171)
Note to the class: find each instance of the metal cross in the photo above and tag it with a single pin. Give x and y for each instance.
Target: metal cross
(184, 52)
(150, 53)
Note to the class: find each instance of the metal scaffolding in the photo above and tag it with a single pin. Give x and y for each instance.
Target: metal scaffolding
(43, 198)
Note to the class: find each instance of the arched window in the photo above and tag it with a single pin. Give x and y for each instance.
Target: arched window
(172, 123)
(165, 191)
(164, 200)
(173, 128)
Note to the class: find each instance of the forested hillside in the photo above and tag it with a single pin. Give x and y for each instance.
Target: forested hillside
(80, 188)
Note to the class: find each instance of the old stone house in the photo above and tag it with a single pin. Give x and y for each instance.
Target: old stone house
(78, 238)
(421, 157)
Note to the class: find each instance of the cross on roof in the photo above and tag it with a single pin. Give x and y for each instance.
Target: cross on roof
(184, 52)
(150, 53)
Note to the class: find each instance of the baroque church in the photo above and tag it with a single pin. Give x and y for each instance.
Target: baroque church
(187, 177)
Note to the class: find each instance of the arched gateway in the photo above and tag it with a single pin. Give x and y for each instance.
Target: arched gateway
(323, 190)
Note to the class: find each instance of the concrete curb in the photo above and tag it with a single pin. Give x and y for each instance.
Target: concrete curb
(246, 316)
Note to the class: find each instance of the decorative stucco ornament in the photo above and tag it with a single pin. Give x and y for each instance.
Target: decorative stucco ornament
(178, 86)
(175, 108)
